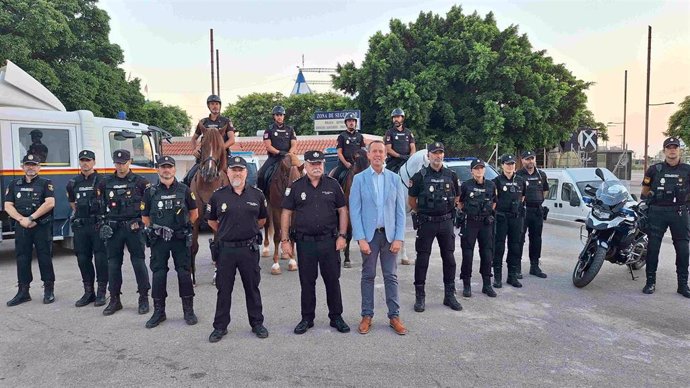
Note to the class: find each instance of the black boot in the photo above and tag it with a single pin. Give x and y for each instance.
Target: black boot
(513, 280)
(100, 294)
(683, 285)
(486, 287)
(419, 295)
(466, 288)
(518, 274)
(158, 313)
(498, 277)
(114, 304)
(88, 296)
(143, 301)
(536, 271)
(188, 310)
(21, 297)
(48, 292)
(650, 287)
(449, 298)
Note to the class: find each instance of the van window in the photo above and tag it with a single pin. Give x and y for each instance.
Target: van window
(553, 188)
(139, 147)
(567, 192)
(50, 144)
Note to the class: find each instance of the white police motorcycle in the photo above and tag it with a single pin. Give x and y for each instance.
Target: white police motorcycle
(613, 231)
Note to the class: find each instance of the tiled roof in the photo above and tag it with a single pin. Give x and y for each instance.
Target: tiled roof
(255, 144)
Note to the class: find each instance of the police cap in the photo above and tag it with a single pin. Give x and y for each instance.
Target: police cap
(528, 154)
(437, 146)
(314, 156)
(477, 163)
(507, 159)
(31, 159)
(166, 161)
(237, 161)
(672, 141)
(121, 156)
(86, 154)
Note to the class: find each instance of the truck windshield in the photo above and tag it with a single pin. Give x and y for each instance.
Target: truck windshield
(140, 147)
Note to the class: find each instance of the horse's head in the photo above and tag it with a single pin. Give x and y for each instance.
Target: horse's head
(213, 159)
(415, 163)
(361, 161)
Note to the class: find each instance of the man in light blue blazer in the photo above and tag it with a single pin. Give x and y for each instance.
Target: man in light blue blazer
(377, 213)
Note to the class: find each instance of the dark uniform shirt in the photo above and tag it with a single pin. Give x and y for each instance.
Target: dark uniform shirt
(81, 191)
(169, 206)
(122, 196)
(400, 140)
(29, 196)
(221, 123)
(435, 191)
(350, 142)
(478, 198)
(535, 185)
(237, 215)
(315, 207)
(280, 137)
(509, 193)
(668, 183)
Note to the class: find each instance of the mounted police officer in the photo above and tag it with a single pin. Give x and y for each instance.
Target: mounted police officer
(536, 189)
(29, 201)
(237, 213)
(349, 142)
(216, 122)
(477, 201)
(122, 193)
(433, 197)
(279, 140)
(88, 246)
(510, 215)
(399, 140)
(169, 210)
(666, 187)
(320, 211)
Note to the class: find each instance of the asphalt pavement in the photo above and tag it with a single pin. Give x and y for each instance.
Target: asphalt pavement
(547, 333)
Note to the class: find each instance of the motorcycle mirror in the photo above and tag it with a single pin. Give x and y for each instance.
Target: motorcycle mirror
(634, 196)
(600, 174)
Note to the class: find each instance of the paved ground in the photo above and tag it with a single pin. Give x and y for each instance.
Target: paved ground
(547, 333)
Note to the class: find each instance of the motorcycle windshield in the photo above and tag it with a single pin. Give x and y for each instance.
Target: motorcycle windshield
(612, 193)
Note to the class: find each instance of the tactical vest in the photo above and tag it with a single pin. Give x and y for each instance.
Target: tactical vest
(30, 196)
(670, 184)
(169, 209)
(437, 196)
(479, 199)
(85, 199)
(535, 185)
(280, 137)
(400, 141)
(121, 197)
(351, 143)
(509, 193)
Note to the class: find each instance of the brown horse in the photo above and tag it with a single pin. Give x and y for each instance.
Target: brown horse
(360, 163)
(211, 175)
(288, 170)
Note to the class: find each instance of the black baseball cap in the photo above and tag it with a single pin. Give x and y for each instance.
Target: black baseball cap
(86, 154)
(166, 160)
(477, 162)
(121, 156)
(528, 154)
(507, 159)
(237, 161)
(314, 156)
(437, 146)
(31, 159)
(672, 141)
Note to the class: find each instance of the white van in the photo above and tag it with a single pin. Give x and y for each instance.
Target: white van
(566, 188)
(30, 114)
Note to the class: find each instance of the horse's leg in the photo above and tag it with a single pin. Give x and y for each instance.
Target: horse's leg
(292, 263)
(275, 218)
(348, 239)
(267, 227)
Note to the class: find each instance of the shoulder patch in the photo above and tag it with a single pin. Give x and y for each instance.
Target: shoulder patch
(647, 180)
(142, 206)
(193, 196)
(50, 187)
(266, 136)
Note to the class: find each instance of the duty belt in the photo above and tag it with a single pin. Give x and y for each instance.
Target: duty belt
(508, 214)
(673, 208)
(314, 237)
(478, 218)
(445, 217)
(533, 205)
(237, 244)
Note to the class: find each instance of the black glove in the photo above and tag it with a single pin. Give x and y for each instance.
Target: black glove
(544, 212)
(282, 153)
(459, 219)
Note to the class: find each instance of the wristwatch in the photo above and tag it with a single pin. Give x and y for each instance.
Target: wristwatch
(31, 218)
(343, 235)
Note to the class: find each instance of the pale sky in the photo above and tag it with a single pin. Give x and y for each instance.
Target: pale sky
(261, 43)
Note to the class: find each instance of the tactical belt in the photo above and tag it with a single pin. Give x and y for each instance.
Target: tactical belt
(478, 218)
(533, 205)
(237, 244)
(312, 237)
(508, 214)
(445, 217)
(672, 208)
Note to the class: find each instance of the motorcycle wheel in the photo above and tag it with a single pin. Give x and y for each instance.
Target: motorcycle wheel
(587, 269)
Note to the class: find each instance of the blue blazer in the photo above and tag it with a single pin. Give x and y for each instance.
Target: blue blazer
(363, 210)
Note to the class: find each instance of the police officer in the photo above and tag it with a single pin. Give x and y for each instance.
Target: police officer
(399, 140)
(536, 189)
(477, 201)
(349, 142)
(122, 193)
(169, 210)
(665, 187)
(29, 201)
(216, 122)
(237, 213)
(320, 211)
(279, 140)
(88, 246)
(510, 215)
(433, 196)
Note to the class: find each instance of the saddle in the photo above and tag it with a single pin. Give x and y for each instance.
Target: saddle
(268, 175)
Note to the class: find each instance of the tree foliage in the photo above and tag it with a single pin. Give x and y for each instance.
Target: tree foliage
(462, 80)
(679, 123)
(252, 113)
(169, 117)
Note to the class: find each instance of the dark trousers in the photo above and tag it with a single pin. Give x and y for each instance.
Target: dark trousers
(311, 256)
(190, 174)
(160, 253)
(394, 165)
(262, 180)
(444, 234)
(41, 237)
(660, 219)
(337, 171)
(135, 245)
(472, 232)
(230, 261)
(90, 250)
(510, 227)
(534, 223)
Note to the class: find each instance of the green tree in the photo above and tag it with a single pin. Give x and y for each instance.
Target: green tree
(462, 80)
(64, 44)
(679, 123)
(171, 118)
